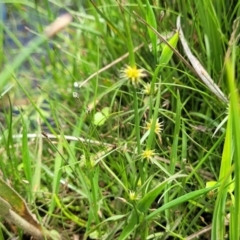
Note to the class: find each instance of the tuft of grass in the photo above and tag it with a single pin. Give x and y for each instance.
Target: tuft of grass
(109, 129)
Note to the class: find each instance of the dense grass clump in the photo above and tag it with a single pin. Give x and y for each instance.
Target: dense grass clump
(123, 124)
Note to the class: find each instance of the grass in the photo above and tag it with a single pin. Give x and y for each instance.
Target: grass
(107, 132)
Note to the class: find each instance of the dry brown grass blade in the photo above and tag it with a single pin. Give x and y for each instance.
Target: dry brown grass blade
(196, 67)
(201, 72)
(14, 210)
(163, 39)
(59, 24)
(66, 137)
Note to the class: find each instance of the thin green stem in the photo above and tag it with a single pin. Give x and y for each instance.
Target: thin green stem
(136, 119)
(129, 43)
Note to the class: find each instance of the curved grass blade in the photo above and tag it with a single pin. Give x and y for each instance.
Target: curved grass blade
(179, 200)
(143, 206)
(14, 209)
(235, 115)
(202, 73)
(150, 17)
(131, 226)
(167, 52)
(145, 203)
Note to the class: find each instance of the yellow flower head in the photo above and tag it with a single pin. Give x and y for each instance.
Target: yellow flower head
(133, 196)
(158, 126)
(148, 154)
(133, 74)
(147, 89)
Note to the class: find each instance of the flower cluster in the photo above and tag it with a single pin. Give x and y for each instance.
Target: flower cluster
(157, 128)
(133, 74)
(133, 196)
(148, 155)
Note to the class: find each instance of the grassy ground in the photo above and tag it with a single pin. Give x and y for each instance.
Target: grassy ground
(107, 133)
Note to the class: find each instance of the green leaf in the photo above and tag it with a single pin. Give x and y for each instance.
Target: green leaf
(145, 203)
(101, 117)
(14, 209)
(167, 52)
(16, 202)
(130, 227)
(235, 119)
(151, 20)
(179, 200)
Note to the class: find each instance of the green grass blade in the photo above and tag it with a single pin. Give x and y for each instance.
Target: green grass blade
(58, 162)
(27, 163)
(131, 226)
(234, 108)
(151, 20)
(211, 29)
(144, 204)
(174, 151)
(218, 225)
(189, 196)
(167, 52)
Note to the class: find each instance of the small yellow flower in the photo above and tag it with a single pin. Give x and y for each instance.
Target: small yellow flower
(158, 126)
(148, 154)
(147, 89)
(139, 183)
(133, 196)
(133, 74)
